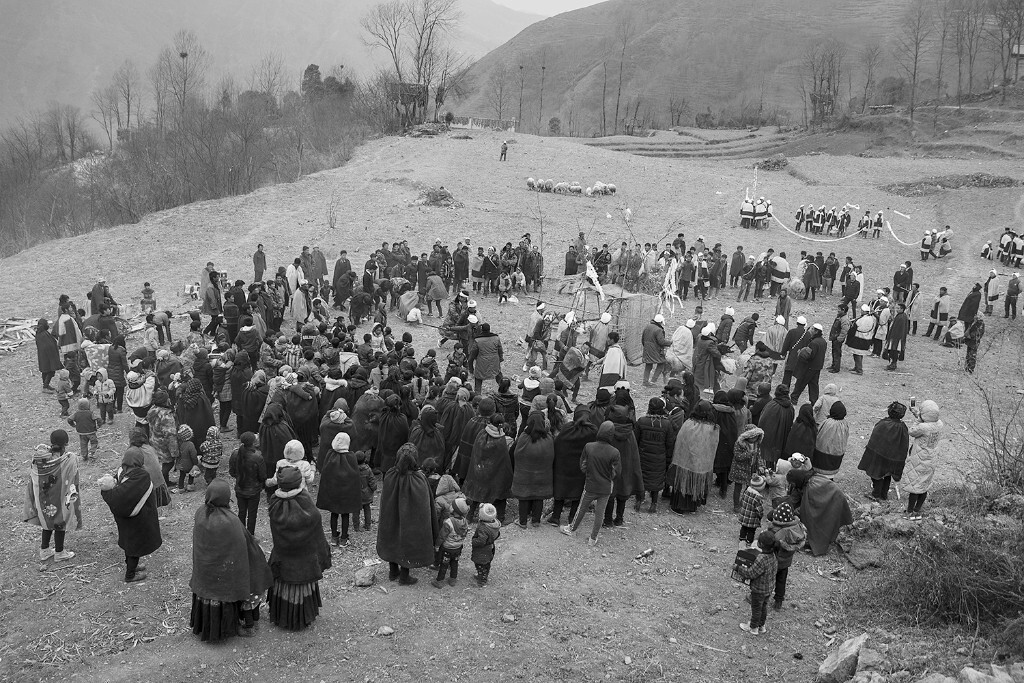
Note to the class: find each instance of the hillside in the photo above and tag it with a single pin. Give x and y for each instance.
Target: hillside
(53, 50)
(711, 53)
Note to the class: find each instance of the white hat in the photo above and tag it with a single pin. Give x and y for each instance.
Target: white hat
(993, 272)
(927, 232)
(700, 238)
(541, 306)
(780, 320)
(818, 327)
(799, 457)
(472, 303)
(1016, 274)
(730, 311)
(879, 291)
(570, 317)
(659, 318)
(473, 319)
(708, 330)
(341, 442)
(801, 320)
(691, 323)
(606, 317)
(865, 308)
(622, 384)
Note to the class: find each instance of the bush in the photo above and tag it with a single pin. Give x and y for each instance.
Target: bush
(555, 125)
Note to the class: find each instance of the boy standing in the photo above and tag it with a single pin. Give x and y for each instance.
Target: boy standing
(453, 536)
(84, 423)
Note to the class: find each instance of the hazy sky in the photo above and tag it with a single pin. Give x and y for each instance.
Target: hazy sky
(547, 8)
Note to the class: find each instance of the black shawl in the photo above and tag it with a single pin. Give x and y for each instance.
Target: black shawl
(568, 477)
(886, 452)
(301, 553)
(407, 529)
(489, 477)
(133, 505)
(275, 432)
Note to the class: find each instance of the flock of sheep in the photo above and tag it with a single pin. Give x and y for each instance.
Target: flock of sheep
(542, 185)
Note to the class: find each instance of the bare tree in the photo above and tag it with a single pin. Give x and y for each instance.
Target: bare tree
(267, 76)
(624, 30)
(187, 65)
(870, 60)
(453, 80)
(911, 44)
(1004, 33)
(430, 23)
(944, 15)
(160, 88)
(522, 84)
(678, 107)
(821, 76)
(973, 13)
(604, 98)
(126, 81)
(498, 90)
(384, 28)
(543, 72)
(104, 112)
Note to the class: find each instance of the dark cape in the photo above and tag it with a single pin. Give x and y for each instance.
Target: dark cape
(227, 563)
(776, 421)
(728, 432)
(630, 480)
(301, 553)
(408, 529)
(393, 433)
(887, 449)
(133, 505)
(340, 483)
(476, 424)
(824, 510)
(250, 404)
(328, 430)
(426, 435)
(275, 432)
(366, 416)
(568, 477)
(804, 434)
(47, 352)
(531, 479)
(489, 477)
(304, 412)
(193, 408)
(453, 420)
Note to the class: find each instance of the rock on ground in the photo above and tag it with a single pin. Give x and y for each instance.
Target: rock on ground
(365, 577)
(840, 665)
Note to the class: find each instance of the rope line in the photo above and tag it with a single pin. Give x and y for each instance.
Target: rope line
(811, 239)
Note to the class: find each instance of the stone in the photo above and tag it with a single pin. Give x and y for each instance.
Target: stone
(508, 618)
(864, 558)
(627, 660)
(841, 664)
(1000, 674)
(365, 577)
(937, 678)
(868, 677)
(1017, 671)
(870, 660)
(385, 631)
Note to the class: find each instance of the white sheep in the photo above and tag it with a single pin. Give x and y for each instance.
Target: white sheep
(575, 189)
(611, 188)
(531, 183)
(589, 192)
(562, 188)
(549, 185)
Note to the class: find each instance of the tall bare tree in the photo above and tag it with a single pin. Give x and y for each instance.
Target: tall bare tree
(625, 28)
(973, 14)
(821, 75)
(911, 44)
(678, 107)
(604, 98)
(499, 89)
(1004, 33)
(104, 112)
(126, 81)
(870, 61)
(944, 15)
(384, 28)
(267, 76)
(453, 80)
(543, 73)
(160, 88)
(187, 64)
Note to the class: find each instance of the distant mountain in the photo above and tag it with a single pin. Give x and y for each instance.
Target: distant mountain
(63, 49)
(710, 52)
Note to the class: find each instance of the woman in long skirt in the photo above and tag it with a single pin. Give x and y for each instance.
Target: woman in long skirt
(692, 469)
(300, 554)
(229, 570)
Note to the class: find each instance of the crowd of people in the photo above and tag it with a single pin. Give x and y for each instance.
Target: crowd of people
(328, 418)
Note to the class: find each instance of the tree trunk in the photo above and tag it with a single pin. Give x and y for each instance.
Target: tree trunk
(604, 101)
(618, 98)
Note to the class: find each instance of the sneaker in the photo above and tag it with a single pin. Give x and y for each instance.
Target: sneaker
(746, 627)
(591, 542)
(437, 584)
(567, 530)
(554, 522)
(139, 576)
(63, 555)
(343, 542)
(761, 630)
(45, 554)
(452, 580)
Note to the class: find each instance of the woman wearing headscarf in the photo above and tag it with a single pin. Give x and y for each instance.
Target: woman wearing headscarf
(489, 477)
(452, 420)
(193, 408)
(656, 439)
(886, 453)
(163, 433)
(393, 432)
(366, 416)
(117, 367)
(822, 407)
(426, 436)
(47, 353)
(275, 433)
(252, 398)
(728, 432)
(746, 461)
(776, 421)
(139, 441)
(300, 554)
(920, 468)
(239, 376)
(691, 472)
(568, 479)
(473, 428)
(407, 531)
(334, 388)
(532, 478)
(229, 570)
(333, 423)
(630, 479)
(340, 491)
(830, 444)
(302, 407)
(129, 495)
(804, 434)
(51, 496)
(707, 359)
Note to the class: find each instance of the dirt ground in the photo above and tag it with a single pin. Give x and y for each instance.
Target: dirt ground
(576, 613)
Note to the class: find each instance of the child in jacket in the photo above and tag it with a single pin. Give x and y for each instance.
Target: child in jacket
(453, 537)
(84, 423)
(487, 532)
(105, 391)
(63, 391)
(211, 451)
(790, 536)
(762, 575)
(752, 509)
(367, 485)
(188, 460)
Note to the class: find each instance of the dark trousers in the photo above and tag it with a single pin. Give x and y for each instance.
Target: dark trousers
(531, 509)
(209, 473)
(620, 508)
(971, 358)
(812, 291)
(938, 330)
(787, 377)
(744, 292)
(131, 565)
(165, 469)
(450, 560)
(880, 487)
(559, 505)
(837, 354)
(225, 413)
(758, 609)
(65, 405)
(810, 382)
(483, 571)
(48, 377)
(183, 475)
(344, 525)
(58, 539)
(685, 284)
(248, 506)
(876, 347)
(366, 518)
(118, 398)
(1009, 307)
(914, 503)
(781, 576)
(747, 534)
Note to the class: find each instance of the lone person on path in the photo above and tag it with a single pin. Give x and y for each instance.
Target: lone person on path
(259, 263)
(504, 150)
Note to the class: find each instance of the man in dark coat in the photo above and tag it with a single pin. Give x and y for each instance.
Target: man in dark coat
(131, 501)
(476, 424)
(971, 304)
(776, 421)
(408, 529)
(896, 337)
(795, 339)
(47, 353)
(810, 361)
(654, 345)
(568, 481)
(656, 440)
(486, 356)
(340, 490)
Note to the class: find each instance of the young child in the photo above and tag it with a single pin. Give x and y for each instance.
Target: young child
(210, 453)
(504, 287)
(63, 391)
(487, 532)
(456, 362)
(751, 509)
(446, 492)
(84, 423)
(148, 302)
(453, 537)
(105, 391)
(367, 485)
(762, 576)
(187, 460)
(518, 280)
(790, 535)
(294, 455)
(428, 364)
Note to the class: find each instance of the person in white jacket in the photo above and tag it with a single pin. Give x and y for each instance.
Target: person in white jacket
(993, 290)
(680, 353)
